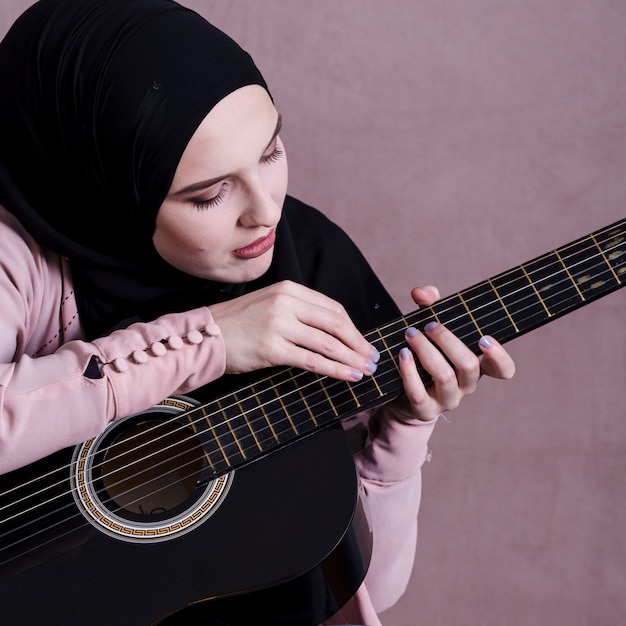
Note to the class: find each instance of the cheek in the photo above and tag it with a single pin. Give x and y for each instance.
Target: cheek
(177, 237)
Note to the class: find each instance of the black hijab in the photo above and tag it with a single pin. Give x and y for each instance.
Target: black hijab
(98, 101)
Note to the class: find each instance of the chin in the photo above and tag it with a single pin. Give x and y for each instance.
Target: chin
(245, 272)
(253, 273)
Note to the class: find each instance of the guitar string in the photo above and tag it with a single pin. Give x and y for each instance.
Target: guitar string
(269, 378)
(178, 416)
(293, 378)
(295, 392)
(441, 312)
(545, 256)
(257, 383)
(76, 514)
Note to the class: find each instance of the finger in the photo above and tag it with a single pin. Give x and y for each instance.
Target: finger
(419, 402)
(425, 296)
(445, 385)
(495, 361)
(334, 326)
(342, 360)
(466, 364)
(319, 364)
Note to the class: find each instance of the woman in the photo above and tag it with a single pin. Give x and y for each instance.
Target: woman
(149, 248)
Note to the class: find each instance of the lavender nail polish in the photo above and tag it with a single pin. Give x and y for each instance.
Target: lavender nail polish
(485, 342)
(357, 375)
(411, 331)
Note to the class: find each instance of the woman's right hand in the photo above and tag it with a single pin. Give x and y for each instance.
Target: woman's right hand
(289, 324)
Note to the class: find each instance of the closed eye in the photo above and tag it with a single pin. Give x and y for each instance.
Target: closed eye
(210, 203)
(275, 155)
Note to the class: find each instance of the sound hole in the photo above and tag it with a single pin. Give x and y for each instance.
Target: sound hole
(152, 468)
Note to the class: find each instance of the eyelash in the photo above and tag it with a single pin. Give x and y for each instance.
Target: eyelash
(275, 155)
(210, 203)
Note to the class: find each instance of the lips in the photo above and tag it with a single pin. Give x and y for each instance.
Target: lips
(256, 248)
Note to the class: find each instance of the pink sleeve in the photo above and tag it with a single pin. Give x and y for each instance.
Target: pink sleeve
(48, 403)
(57, 390)
(389, 467)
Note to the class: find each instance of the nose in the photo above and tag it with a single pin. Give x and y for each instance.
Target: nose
(261, 209)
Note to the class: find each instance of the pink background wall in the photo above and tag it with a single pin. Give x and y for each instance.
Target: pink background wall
(455, 139)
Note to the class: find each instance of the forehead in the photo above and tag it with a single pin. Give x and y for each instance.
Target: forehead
(238, 128)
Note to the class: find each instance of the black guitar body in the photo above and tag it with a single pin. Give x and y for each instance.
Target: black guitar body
(281, 517)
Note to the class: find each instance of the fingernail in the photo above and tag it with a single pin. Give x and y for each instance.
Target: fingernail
(485, 342)
(357, 374)
(430, 326)
(411, 332)
(405, 354)
(374, 355)
(371, 367)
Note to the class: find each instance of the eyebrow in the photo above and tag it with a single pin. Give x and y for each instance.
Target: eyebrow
(204, 184)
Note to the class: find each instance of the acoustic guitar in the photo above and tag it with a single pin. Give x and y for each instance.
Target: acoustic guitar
(227, 499)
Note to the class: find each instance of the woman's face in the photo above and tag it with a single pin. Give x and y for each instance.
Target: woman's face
(219, 218)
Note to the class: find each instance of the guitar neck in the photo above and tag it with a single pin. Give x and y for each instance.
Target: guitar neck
(532, 294)
(290, 403)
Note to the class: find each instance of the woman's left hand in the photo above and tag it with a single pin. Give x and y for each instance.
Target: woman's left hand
(454, 369)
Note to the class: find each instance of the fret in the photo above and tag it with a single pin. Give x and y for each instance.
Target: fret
(590, 267)
(392, 341)
(227, 429)
(317, 399)
(261, 437)
(552, 282)
(267, 422)
(520, 299)
(295, 404)
(562, 262)
(388, 376)
(354, 396)
(585, 265)
(215, 465)
(249, 412)
(329, 399)
(534, 287)
(595, 241)
(373, 379)
(369, 390)
(387, 349)
(231, 418)
(344, 398)
(469, 312)
(454, 315)
(274, 411)
(193, 425)
(489, 312)
(499, 299)
(614, 248)
(308, 408)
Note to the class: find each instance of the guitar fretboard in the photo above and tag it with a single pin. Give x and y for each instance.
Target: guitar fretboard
(291, 404)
